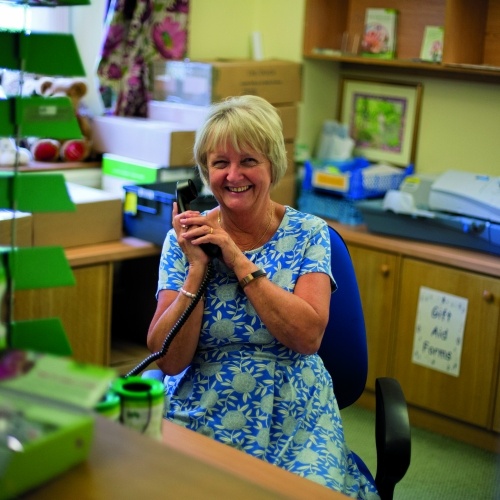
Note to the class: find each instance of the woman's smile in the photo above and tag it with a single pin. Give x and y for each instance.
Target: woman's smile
(240, 189)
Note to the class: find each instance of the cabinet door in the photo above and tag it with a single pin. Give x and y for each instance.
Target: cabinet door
(496, 415)
(376, 273)
(84, 310)
(470, 396)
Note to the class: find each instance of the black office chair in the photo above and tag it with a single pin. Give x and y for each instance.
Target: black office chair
(344, 354)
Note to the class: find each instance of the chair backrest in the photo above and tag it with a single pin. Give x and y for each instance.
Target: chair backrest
(344, 350)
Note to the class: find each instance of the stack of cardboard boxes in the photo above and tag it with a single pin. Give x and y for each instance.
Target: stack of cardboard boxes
(183, 90)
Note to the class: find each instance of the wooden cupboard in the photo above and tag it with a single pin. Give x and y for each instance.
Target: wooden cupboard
(390, 273)
(377, 274)
(85, 309)
(496, 414)
(470, 396)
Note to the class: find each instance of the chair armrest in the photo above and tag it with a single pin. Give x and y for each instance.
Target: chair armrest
(392, 435)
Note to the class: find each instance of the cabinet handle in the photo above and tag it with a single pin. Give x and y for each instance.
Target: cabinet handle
(488, 296)
(385, 269)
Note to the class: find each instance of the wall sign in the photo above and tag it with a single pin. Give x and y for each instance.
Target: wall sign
(439, 331)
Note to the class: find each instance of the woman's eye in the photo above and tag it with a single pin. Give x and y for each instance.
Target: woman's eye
(249, 162)
(219, 164)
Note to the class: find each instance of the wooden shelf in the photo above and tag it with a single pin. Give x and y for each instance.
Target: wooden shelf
(415, 67)
(460, 258)
(471, 44)
(42, 166)
(111, 251)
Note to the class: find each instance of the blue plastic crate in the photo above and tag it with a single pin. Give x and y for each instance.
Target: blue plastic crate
(329, 206)
(356, 183)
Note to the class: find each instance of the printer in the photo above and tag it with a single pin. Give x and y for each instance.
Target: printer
(454, 208)
(465, 193)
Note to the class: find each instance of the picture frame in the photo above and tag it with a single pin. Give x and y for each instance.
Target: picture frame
(382, 117)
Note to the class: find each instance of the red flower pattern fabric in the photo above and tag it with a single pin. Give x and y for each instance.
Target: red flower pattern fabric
(138, 33)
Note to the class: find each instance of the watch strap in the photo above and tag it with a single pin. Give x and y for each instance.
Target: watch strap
(252, 276)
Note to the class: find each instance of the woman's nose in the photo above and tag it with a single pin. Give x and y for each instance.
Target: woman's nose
(234, 171)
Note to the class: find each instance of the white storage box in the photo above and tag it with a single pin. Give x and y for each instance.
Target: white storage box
(166, 143)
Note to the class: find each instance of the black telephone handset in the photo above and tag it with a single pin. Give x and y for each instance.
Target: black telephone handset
(186, 192)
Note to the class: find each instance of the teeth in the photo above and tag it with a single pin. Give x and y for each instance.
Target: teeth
(238, 189)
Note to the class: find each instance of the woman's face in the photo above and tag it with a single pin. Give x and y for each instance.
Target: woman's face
(239, 180)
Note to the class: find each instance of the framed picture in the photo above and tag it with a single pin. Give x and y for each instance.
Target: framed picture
(382, 118)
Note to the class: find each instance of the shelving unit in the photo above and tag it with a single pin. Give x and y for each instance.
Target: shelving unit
(31, 268)
(471, 40)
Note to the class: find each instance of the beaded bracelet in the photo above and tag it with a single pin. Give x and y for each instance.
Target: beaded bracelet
(187, 294)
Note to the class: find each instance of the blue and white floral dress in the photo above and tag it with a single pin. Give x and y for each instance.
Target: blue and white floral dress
(246, 389)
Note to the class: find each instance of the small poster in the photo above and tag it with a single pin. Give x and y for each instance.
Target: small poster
(439, 331)
(432, 44)
(379, 36)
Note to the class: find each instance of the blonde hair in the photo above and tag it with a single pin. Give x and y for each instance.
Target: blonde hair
(242, 122)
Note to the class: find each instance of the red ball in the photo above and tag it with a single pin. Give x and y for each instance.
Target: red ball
(46, 150)
(75, 150)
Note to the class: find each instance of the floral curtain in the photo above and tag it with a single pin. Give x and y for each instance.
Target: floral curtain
(138, 33)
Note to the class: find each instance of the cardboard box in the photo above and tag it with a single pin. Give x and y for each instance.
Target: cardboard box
(290, 152)
(286, 190)
(166, 143)
(97, 219)
(289, 115)
(194, 116)
(203, 82)
(119, 171)
(22, 226)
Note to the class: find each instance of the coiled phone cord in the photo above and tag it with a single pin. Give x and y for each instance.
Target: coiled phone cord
(175, 329)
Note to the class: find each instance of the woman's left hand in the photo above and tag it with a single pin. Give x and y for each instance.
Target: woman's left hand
(200, 229)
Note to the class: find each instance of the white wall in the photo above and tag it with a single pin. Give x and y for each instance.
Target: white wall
(87, 27)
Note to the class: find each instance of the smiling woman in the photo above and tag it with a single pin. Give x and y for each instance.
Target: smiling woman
(244, 369)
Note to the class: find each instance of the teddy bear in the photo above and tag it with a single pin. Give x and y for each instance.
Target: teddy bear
(11, 154)
(68, 150)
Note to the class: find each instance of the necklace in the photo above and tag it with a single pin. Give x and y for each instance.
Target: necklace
(258, 242)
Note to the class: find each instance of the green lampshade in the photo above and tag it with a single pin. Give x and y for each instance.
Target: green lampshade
(52, 117)
(42, 193)
(6, 189)
(42, 335)
(35, 193)
(50, 54)
(38, 267)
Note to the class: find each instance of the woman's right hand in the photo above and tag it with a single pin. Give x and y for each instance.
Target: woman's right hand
(192, 252)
